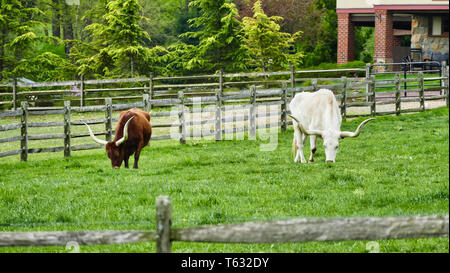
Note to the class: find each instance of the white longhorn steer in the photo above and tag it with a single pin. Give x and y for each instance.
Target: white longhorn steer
(318, 114)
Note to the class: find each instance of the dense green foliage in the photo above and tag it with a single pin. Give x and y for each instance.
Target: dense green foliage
(397, 166)
(64, 39)
(118, 41)
(266, 43)
(220, 37)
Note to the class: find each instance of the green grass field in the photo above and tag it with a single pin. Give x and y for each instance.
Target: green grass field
(398, 166)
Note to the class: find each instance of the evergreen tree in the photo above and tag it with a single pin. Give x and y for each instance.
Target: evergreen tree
(20, 34)
(118, 41)
(220, 37)
(267, 44)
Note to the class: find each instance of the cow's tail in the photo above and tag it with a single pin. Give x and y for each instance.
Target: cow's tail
(292, 117)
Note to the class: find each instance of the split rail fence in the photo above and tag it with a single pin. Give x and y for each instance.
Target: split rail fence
(229, 112)
(48, 95)
(279, 231)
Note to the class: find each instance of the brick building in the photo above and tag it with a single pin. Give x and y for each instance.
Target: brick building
(425, 21)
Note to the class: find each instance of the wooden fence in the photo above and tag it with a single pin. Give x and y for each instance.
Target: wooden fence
(350, 92)
(93, 92)
(279, 231)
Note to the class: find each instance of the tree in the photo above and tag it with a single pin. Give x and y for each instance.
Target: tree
(320, 43)
(165, 16)
(315, 18)
(364, 43)
(20, 33)
(295, 13)
(220, 37)
(118, 41)
(267, 44)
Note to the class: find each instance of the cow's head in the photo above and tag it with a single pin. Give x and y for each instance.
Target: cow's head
(113, 148)
(331, 138)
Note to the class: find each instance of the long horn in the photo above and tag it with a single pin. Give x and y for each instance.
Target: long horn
(358, 130)
(304, 131)
(125, 133)
(96, 139)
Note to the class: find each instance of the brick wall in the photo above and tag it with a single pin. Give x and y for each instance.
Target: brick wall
(384, 36)
(346, 39)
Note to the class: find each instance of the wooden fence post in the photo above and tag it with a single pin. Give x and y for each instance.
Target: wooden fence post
(442, 74)
(421, 91)
(397, 95)
(368, 77)
(446, 85)
(373, 94)
(218, 125)
(14, 89)
(146, 101)
(284, 100)
(108, 119)
(252, 117)
(292, 79)
(150, 89)
(221, 81)
(67, 148)
(24, 132)
(163, 224)
(82, 91)
(344, 99)
(219, 96)
(182, 126)
(314, 84)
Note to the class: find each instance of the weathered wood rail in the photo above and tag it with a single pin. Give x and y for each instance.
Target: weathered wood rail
(227, 112)
(83, 92)
(278, 231)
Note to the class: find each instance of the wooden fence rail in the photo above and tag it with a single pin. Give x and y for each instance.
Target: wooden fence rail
(351, 95)
(77, 91)
(82, 91)
(278, 231)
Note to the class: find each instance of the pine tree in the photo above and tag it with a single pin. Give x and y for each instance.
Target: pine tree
(118, 41)
(267, 44)
(19, 36)
(220, 37)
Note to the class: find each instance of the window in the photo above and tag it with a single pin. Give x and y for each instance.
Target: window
(438, 25)
(445, 24)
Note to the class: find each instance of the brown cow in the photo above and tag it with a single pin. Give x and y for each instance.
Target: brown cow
(133, 132)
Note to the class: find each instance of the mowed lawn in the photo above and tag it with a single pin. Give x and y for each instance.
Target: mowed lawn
(398, 166)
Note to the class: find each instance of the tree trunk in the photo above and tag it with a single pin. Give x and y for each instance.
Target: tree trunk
(2, 49)
(68, 27)
(56, 19)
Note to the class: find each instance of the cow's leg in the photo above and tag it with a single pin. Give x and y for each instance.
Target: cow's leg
(294, 148)
(312, 142)
(299, 139)
(125, 159)
(136, 157)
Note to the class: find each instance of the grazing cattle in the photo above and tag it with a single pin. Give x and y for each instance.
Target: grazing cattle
(133, 132)
(317, 114)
